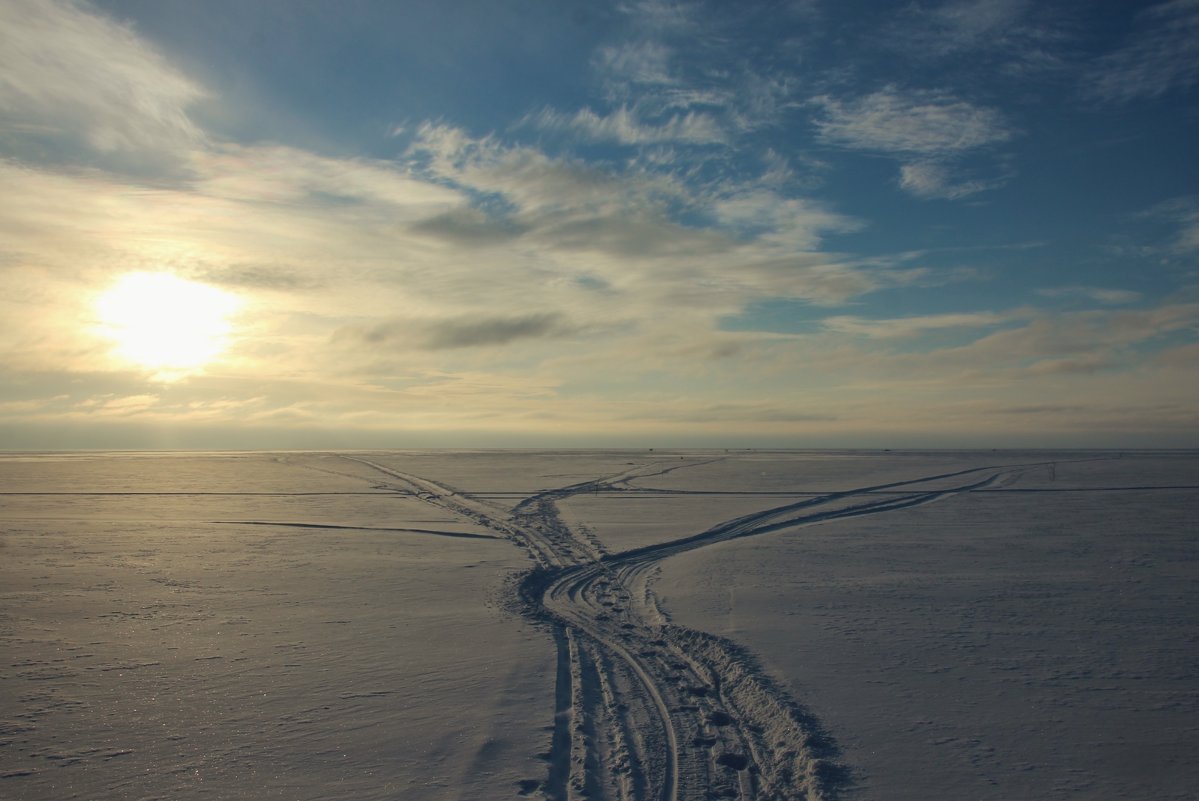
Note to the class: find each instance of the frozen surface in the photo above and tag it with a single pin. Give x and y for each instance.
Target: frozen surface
(152, 653)
(516, 474)
(985, 625)
(789, 472)
(993, 645)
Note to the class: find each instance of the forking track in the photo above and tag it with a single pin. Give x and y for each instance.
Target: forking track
(651, 711)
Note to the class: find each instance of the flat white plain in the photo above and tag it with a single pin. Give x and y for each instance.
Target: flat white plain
(309, 626)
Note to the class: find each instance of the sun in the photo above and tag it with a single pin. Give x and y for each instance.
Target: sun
(161, 322)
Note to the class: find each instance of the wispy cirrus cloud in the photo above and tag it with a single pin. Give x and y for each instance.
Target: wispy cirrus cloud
(675, 75)
(529, 180)
(929, 130)
(1013, 37)
(1188, 235)
(1183, 214)
(283, 175)
(908, 327)
(1160, 55)
(75, 76)
(932, 179)
(921, 122)
(795, 222)
(644, 62)
(1077, 342)
(1106, 296)
(663, 16)
(623, 127)
(969, 24)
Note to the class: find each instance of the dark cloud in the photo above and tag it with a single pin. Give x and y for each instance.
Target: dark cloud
(463, 332)
(469, 228)
(257, 276)
(726, 350)
(628, 236)
(472, 332)
(1045, 409)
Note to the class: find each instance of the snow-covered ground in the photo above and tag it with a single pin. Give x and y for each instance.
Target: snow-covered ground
(952, 625)
(997, 644)
(151, 652)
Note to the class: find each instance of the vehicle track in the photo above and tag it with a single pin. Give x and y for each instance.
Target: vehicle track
(659, 712)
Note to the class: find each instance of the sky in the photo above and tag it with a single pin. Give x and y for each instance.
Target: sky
(536, 223)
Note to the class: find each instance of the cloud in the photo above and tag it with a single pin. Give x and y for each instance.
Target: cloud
(644, 62)
(1108, 297)
(268, 277)
(815, 278)
(621, 126)
(968, 24)
(908, 327)
(1161, 55)
(630, 235)
(244, 206)
(690, 58)
(403, 240)
(469, 227)
(1188, 235)
(461, 332)
(73, 231)
(470, 333)
(931, 179)
(1013, 36)
(288, 176)
(663, 16)
(1183, 356)
(733, 413)
(1183, 213)
(999, 352)
(71, 73)
(1078, 342)
(475, 284)
(18, 409)
(528, 180)
(917, 122)
(1046, 408)
(124, 406)
(1082, 365)
(928, 129)
(793, 222)
(563, 205)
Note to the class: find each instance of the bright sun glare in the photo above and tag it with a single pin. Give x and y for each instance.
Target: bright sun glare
(165, 323)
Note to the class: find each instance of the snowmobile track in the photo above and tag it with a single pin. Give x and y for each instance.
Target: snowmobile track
(659, 712)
